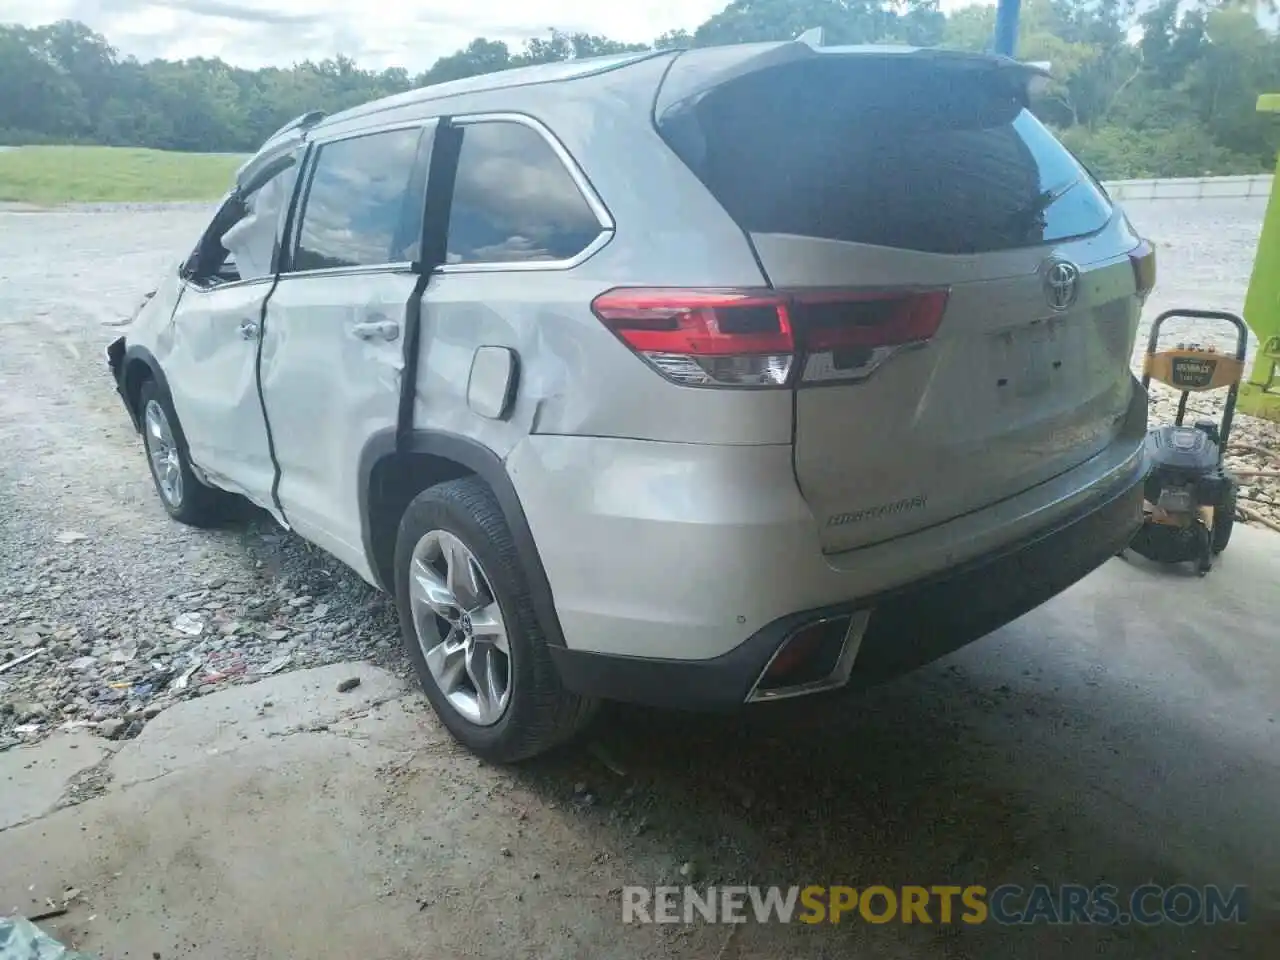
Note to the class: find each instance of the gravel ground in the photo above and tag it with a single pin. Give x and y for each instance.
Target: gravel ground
(121, 611)
(116, 612)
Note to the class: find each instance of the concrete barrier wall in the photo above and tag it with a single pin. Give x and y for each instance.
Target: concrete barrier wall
(1190, 188)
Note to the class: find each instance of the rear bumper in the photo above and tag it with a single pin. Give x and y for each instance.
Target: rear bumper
(909, 626)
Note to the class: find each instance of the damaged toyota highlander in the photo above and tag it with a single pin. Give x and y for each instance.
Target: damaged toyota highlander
(697, 379)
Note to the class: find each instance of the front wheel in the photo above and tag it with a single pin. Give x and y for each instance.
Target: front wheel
(185, 498)
(470, 630)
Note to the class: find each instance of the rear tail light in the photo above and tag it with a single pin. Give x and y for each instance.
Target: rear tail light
(763, 338)
(1143, 258)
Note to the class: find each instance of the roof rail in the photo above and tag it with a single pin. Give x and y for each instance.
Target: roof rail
(304, 122)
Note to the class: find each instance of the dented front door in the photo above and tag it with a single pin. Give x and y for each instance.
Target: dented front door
(209, 355)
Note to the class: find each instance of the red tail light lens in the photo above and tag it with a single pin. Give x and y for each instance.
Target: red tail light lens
(1143, 258)
(758, 338)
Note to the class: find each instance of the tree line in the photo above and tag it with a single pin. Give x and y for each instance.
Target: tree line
(1138, 90)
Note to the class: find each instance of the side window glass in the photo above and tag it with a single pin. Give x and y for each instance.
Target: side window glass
(211, 262)
(514, 201)
(361, 209)
(251, 242)
(241, 240)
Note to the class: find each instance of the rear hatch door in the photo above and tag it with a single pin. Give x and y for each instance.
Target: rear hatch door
(963, 284)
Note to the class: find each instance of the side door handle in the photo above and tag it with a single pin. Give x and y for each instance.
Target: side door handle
(249, 329)
(376, 330)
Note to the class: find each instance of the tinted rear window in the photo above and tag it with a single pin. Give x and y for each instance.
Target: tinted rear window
(886, 151)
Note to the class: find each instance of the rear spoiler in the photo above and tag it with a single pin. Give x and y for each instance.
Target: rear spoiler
(694, 73)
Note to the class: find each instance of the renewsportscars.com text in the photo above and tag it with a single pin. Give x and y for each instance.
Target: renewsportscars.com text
(1008, 904)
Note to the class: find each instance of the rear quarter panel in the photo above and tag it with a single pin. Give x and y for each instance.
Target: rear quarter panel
(578, 377)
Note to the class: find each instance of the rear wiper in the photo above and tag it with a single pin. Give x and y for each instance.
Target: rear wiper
(1050, 197)
(1043, 201)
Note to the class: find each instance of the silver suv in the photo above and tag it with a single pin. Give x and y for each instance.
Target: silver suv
(690, 378)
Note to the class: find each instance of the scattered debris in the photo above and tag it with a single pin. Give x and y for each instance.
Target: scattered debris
(88, 648)
(349, 684)
(276, 665)
(19, 660)
(189, 623)
(124, 653)
(1257, 517)
(605, 756)
(21, 939)
(48, 914)
(184, 678)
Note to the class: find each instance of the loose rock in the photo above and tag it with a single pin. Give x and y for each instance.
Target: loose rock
(29, 712)
(112, 729)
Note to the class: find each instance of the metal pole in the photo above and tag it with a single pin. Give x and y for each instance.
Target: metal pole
(1007, 26)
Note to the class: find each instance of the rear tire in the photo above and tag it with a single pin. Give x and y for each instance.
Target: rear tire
(1224, 521)
(470, 630)
(184, 497)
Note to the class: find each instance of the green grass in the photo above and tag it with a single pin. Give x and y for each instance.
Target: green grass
(52, 175)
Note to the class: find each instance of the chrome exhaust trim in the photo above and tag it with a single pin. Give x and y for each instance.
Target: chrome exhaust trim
(839, 674)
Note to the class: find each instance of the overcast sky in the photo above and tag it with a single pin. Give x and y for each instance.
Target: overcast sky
(378, 33)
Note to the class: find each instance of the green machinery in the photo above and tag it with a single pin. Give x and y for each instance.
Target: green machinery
(1260, 394)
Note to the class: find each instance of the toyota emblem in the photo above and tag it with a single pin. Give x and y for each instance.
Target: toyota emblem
(1061, 284)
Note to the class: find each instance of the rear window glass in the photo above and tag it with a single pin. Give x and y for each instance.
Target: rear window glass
(514, 200)
(888, 152)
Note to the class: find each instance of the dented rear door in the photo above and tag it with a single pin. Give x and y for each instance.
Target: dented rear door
(334, 335)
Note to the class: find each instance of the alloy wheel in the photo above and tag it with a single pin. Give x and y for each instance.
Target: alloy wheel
(460, 627)
(162, 452)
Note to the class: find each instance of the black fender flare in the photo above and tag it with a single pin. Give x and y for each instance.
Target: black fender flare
(490, 468)
(133, 353)
(138, 353)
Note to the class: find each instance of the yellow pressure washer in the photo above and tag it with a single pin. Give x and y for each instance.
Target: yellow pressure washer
(1190, 497)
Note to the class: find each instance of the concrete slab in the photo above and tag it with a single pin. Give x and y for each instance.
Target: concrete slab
(32, 779)
(191, 732)
(1123, 733)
